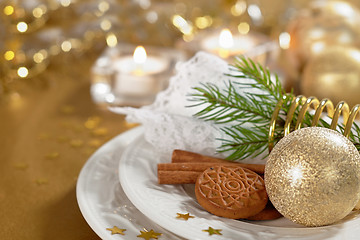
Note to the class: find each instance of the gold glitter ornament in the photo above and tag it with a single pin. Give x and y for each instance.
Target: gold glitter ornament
(333, 74)
(312, 176)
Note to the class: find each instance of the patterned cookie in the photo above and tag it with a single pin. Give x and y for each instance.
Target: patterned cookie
(268, 213)
(231, 192)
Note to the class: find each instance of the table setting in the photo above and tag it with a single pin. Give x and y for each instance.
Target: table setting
(166, 126)
(158, 120)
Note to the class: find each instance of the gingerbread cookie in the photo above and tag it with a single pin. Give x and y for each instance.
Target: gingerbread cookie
(231, 192)
(269, 213)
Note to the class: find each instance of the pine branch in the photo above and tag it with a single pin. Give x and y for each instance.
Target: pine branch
(245, 106)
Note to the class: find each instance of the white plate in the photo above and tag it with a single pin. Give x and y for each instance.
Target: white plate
(101, 199)
(161, 203)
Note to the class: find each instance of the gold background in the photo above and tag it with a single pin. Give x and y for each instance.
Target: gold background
(47, 133)
(46, 137)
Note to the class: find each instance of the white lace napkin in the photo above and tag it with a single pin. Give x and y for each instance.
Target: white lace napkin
(169, 123)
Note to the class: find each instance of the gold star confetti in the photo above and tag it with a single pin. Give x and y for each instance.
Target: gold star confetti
(65, 124)
(92, 122)
(41, 181)
(100, 131)
(67, 109)
(76, 128)
(62, 139)
(147, 235)
(94, 143)
(88, 151)
(43, 136)
(184, 216)
(116, 230)
(212, 231)
(52, 155)
(76, 143)
(21, 166)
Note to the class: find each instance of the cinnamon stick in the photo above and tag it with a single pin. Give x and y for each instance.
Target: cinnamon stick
(185, 173)
(182, 156)
(202, 166)
(186, 156)
(186, 166)
(177, 177)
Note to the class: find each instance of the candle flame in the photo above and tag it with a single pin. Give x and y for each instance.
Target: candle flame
(226, 40)
(140, 55)
(284, 40)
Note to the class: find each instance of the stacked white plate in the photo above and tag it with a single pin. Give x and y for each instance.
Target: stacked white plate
(118, 187)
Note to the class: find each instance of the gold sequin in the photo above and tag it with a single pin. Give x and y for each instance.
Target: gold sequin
(212, 231)
(147, 235)
(63, 139)
(21, 166)
(41, 181)
(94, 143)
(76, 143)
(116, 230)
(67, 109)
(52, 155)
(100, 131)
(92, 122)
(184, 216)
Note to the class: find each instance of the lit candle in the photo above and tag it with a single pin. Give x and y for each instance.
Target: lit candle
(226, 45)
(124, 77)
(136, 75)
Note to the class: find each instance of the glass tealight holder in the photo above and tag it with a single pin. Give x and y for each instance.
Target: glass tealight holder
(228, 44)
(126, 76)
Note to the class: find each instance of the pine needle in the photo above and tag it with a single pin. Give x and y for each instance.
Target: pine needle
(245, 106)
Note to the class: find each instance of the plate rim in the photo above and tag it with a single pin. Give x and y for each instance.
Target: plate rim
(306, 230)
(86, 210)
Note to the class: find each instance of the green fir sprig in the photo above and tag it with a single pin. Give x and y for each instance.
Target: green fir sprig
(244, 108)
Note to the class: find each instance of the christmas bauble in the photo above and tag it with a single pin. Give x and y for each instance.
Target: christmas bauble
(323, 24)
(333, 74)
(312, 176)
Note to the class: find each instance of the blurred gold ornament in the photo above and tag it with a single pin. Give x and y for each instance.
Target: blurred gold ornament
(312, 176)
(334, 74)
(316, 28)
(323, 24)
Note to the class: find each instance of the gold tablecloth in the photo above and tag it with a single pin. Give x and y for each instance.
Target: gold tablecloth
(48, 130)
